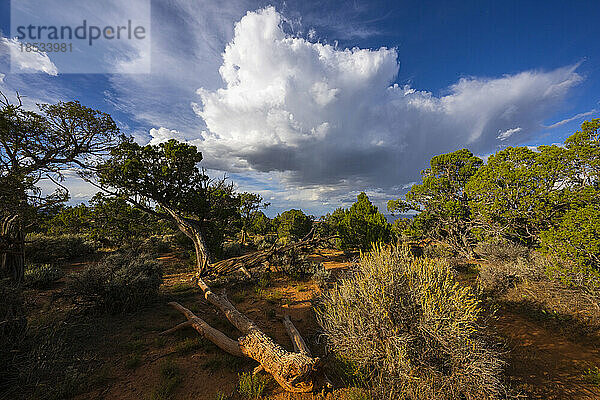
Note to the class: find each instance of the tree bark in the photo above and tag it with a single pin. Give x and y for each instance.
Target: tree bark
(192, 229)
(12, 249)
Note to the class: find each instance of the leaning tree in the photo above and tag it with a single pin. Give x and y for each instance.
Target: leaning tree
(165, 180)
(38, 146)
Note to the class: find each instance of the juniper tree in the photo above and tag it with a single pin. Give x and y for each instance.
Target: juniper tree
(42, 146)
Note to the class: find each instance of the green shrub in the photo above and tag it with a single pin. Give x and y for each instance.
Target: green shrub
(121, 282)
(252, 386)
(158, 244)
(296, 265)
(232, 249)
(362, 225)
(410, 328)
(42, 249)
(292, 225)
(42, 276)
(576, 242)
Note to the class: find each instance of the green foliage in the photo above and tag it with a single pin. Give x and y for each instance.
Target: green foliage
(120, 283)
(252, 386)
(260, 223)
(42, 249)
(584, 146)
(42, 276)
(253, 220)
(362, 225)
(71, 220)
(576, 239)
(411, 328)
(442, 201)
(518, 192)
(292, 225)
(109, 220)
(168, 175)
(36, 147)
(330, 224)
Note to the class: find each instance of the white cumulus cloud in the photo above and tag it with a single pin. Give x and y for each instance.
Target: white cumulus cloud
(321, 115)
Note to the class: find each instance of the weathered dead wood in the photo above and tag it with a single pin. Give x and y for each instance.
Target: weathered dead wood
(177, 327)
(299, 343)
(12, 253)
(294, 371)
(322, 381)
(257, 258)
(217, 337)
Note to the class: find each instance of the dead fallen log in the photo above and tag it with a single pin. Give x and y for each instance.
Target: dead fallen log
(255, 259)
(295, 371)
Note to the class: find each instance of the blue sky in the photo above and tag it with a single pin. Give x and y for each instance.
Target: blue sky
(302, 106)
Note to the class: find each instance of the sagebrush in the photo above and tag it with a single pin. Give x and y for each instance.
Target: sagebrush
(412, 331)
(121, 282)
(41, 249)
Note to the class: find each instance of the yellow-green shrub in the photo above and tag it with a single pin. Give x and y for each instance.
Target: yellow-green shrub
(410, 328)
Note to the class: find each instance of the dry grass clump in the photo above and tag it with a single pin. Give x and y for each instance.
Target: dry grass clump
(502, 251)
(411, 329)
(42, 276)
(498, 277)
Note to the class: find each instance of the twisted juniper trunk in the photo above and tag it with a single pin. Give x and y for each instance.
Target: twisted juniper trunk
(12, 249)
(192, 229)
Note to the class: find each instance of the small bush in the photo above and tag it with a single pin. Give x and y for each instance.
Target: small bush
(121, 282)
(502, 251)
(232, 249)
(410, 328)
(42, 276)
(435, 250)
(42, 249)
(158, 244)
(296, 265)
(321, 277)
(252, 386)
(498, 277)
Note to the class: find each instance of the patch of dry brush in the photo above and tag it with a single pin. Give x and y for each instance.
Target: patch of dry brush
(410, 329)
